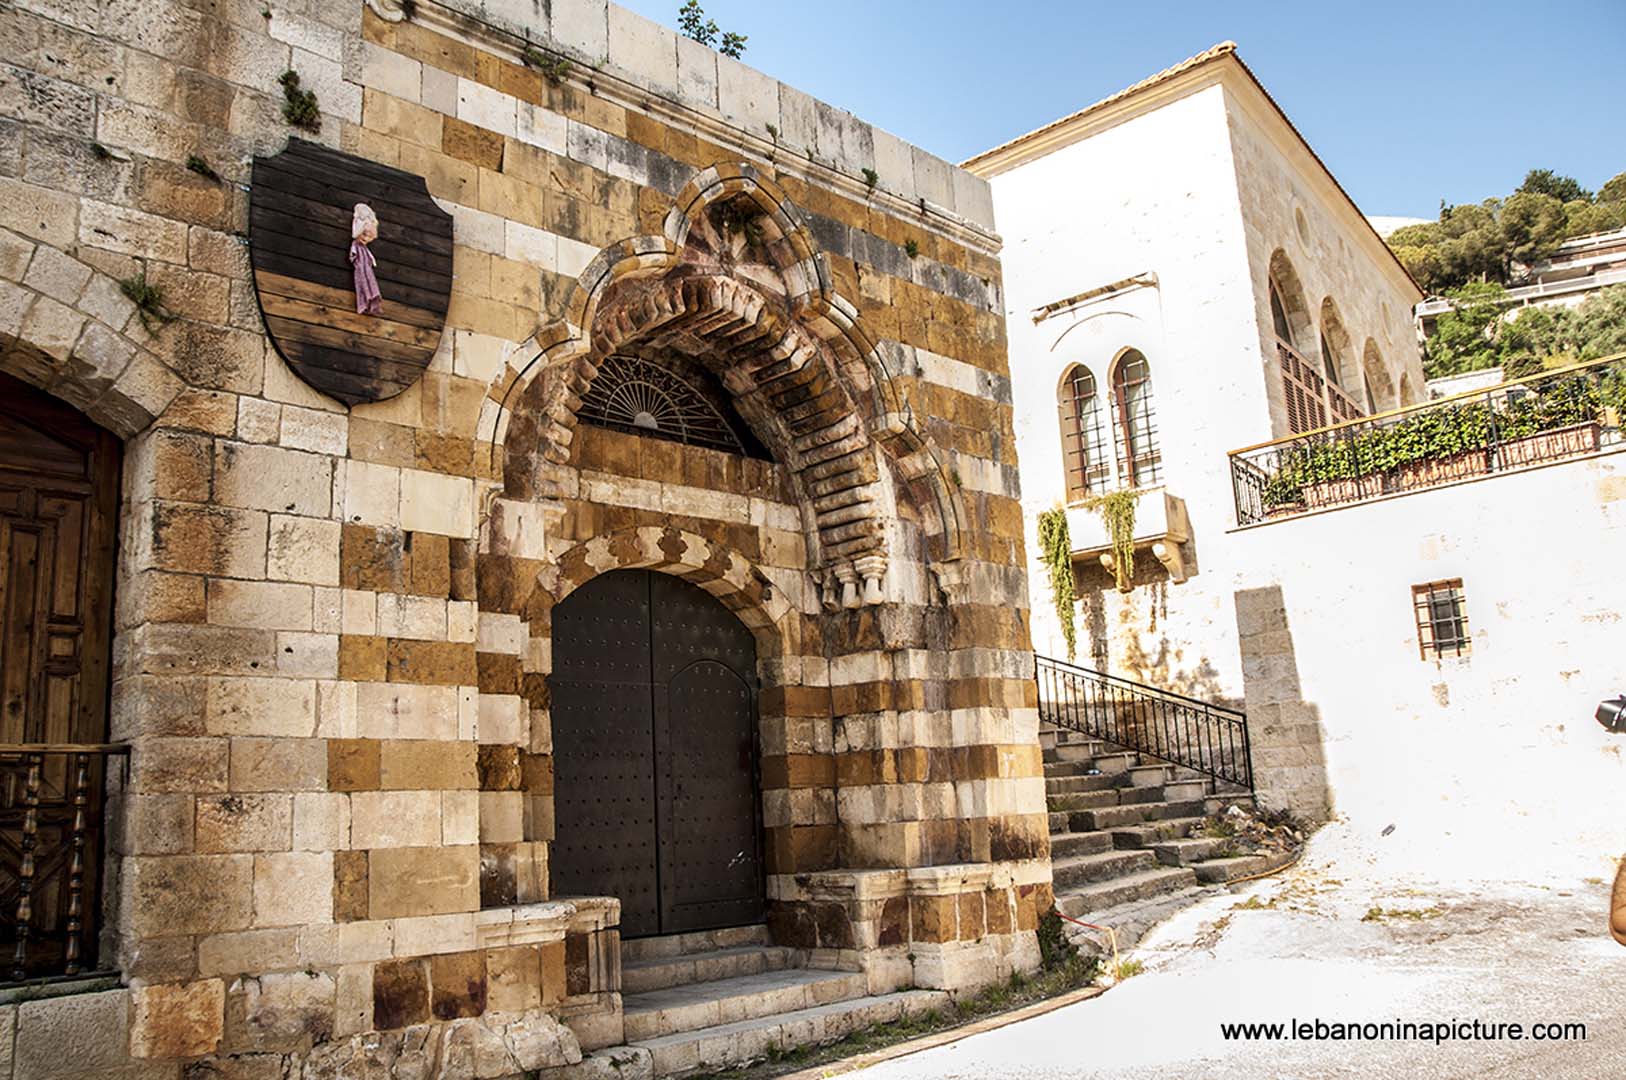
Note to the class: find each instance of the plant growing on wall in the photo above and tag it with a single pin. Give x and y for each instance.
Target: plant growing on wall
(299, 106)
(1056, 551)
(1117, 510)
(693, 24)
(148, 299)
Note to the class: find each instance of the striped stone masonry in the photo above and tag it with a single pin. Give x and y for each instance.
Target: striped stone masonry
(334, 626)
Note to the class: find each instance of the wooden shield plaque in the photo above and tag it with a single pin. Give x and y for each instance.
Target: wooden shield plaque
(300, 210)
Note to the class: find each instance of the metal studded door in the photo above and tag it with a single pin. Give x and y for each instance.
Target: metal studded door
(655, 762)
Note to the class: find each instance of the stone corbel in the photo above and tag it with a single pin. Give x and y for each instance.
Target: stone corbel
(388, 10)
(1173, 558)
(872, 568)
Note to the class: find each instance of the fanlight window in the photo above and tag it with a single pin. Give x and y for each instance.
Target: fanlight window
(1083, 443)
(643, 398)
(1134, 421)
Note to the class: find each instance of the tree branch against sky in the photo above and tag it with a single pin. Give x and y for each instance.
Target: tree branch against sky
(1407, 103)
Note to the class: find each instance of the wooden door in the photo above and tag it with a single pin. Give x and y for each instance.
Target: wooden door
(58, 507)
(656, 790)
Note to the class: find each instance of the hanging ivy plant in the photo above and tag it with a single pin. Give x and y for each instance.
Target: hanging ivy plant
(1117, 510)
(1056, 549)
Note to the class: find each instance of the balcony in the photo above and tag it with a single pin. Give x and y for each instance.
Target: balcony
(1160, 525)
(1554, 416)
(51, 810)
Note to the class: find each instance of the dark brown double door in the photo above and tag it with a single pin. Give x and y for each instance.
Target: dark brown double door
(58, 505)
(655, 755)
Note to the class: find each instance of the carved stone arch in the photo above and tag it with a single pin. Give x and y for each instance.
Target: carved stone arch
(79, 339)
(736, 283)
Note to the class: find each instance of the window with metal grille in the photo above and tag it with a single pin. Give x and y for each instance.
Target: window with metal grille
(1134, 421)
(643, 398)
(1083, 442)
(1442, 619)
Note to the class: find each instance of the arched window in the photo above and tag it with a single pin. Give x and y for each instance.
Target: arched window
(1339, 365)
(1083, 444)
(1278, 315)
(1134, 421)
(1303, 387)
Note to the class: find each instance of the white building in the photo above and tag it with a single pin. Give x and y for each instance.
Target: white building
(1185, 277)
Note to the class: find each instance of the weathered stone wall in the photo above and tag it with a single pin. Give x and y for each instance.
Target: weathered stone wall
(333, 628)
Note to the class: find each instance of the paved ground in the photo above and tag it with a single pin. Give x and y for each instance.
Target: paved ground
(1301, 947)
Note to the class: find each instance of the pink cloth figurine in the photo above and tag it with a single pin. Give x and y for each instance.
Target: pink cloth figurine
(363, 231)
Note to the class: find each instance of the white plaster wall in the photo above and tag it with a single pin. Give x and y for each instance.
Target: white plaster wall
(1154, 195)
(1490, 765)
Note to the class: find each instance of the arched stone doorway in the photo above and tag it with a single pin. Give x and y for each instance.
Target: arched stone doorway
(59, 497)
(657, 792)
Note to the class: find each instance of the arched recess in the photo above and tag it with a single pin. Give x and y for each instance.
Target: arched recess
(1337, 351)
(735, 284)
(1288, 304)
(82, 342)
(1408, 394)
(1380, 388)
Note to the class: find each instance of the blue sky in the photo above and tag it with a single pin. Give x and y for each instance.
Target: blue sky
(1407, 103)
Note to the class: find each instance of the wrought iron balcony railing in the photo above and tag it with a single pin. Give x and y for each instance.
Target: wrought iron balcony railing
(1210, 739)
(51, 827)
(1566, 413)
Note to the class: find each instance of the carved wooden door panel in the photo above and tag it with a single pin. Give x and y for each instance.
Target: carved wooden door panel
(58, 507)
(656, 791)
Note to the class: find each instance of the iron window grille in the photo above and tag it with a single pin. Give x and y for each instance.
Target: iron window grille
(643, 398)
(1442, 619)
(1140, 464)
(1083, 441)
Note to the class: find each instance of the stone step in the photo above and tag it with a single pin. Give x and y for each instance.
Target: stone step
(1188, 850)
(1219, 871)
(1136, 814)
(1065, 845)
(1085, 800)
(678, 1009)
(698, 942)
(1149, 775)
(1079, 752)
(1068, 785)
(1189, 788)
(1078, 770)
(745, 1041)
(1116, 763)
(1081, 870)
(1130, 921)
(1130, 796)
(662, 972)
(1151, 832)
(1087, 899)
(1060, 822)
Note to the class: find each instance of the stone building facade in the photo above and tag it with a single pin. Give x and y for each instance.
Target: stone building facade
(329, 850)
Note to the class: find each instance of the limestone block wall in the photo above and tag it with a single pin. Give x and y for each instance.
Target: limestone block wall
(333, 628)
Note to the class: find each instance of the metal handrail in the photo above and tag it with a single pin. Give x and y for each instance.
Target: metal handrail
(1186, 731)
(1140, 687)
(1553, 416)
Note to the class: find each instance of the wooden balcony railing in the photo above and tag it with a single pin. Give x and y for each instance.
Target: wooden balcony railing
(52, 799)
(1561, 414)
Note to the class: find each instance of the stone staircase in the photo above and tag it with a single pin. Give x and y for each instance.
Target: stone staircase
(1127, 843)
(723, 998)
